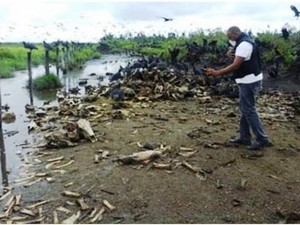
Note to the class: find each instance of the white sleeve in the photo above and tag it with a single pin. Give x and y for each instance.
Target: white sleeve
(244, 50)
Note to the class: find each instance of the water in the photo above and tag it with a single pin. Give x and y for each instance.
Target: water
(15, 94)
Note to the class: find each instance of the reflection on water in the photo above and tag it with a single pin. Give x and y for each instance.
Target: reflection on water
(16, 95)
(45, 95)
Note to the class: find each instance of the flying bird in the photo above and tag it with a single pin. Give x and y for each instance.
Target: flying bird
(29, 46)
(295, 10)
(167, 19)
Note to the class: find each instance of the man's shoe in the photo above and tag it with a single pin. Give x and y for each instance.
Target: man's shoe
(239, 141)
(259, 145)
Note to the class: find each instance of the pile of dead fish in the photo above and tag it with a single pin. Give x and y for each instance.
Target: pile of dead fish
(64, 125)
(170, 84)
(16, 211)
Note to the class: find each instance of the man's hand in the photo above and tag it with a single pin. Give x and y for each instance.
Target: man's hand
(230, 54)
(212, 72)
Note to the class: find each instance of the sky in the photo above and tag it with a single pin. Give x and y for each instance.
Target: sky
(89, 20)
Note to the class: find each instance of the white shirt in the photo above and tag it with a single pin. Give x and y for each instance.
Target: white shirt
(244, 50)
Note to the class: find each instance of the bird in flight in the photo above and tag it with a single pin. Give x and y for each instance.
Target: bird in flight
(167, 19)
(295, 10)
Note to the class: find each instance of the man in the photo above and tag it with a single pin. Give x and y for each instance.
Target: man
(247, 72)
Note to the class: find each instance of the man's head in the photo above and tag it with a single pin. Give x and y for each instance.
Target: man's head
(233, 33)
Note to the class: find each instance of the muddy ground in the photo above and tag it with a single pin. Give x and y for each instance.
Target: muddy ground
(240, 186)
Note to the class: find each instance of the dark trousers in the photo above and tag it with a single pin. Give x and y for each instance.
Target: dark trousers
(249, 116)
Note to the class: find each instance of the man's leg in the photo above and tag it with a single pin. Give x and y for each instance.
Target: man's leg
(249, 93)
(245, 134)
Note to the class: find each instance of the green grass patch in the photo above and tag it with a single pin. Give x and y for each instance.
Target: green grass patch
(46, 82)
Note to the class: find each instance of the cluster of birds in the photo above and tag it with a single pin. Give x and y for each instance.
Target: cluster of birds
(55, 45)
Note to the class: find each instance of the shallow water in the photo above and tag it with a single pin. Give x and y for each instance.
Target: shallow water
(15, 94)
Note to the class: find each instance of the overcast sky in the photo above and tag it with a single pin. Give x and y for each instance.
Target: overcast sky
(38, 20)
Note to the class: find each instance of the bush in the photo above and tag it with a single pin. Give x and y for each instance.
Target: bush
(46, 82)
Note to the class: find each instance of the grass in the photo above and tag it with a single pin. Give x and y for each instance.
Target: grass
(46, 82)
(13, 57)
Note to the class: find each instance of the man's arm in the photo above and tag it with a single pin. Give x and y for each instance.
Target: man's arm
(232, 67)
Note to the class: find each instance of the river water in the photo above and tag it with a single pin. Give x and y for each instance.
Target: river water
(16, 95)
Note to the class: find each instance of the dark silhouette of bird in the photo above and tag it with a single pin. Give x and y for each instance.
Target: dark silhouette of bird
(274, 69)
(295, 10)
(167, 19)
(29, 46)
(285, 33)
(47, 46)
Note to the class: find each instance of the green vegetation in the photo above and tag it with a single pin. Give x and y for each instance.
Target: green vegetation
(80, 56)
(46, 82)
(14, 57)
(273, 45)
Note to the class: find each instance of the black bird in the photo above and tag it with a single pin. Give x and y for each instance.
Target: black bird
(285, 33)
(117, 94)
(273, 71)
(197, 71)
(167, 19)
(295, 10)
(47, 46)
(29, 46)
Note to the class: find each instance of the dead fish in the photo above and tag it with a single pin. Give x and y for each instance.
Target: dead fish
(18, 218)
(41, 174)
(52, 164)
(185, 149)
(105, 154)
(18, 200)
(71, 194)
(85, 125)
(72, 219)
(39, 204)
(236, 202)
(55, 159)
(70, 203)
(145, 155)
(37, 161)
(192, 168)
(55, 219)
(24, 179)
(108, 205)
(242, 185)
(33, 182)
(50, 179)
(32, 126)
(63, 209)
(9, 207)
(96, 159)
(39, 220)
(27, 212)
(98, 216)
(40, 211)
(82, 204)
(219, 185)
(68, 184)
(201, 175)
(187, 154)
(165, 166)
(5, 195)
(9, 202)
(64, 165)
(274, 177)
(93, 213)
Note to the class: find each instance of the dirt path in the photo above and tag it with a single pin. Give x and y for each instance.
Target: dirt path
(234, 185)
